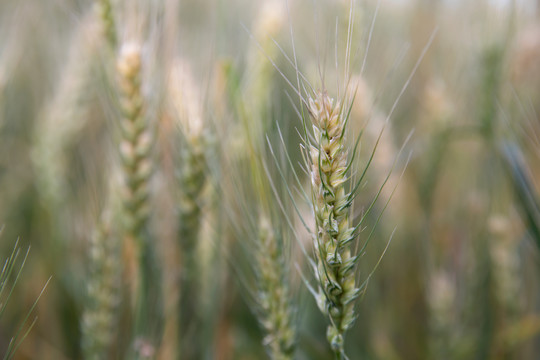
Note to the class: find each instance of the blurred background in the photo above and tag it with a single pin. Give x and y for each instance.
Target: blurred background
(459, 79)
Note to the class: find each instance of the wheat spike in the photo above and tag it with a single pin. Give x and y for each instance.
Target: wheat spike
(106, 14)
(136, 141)
(135, 152)
(273, 295)
(331, 206)
(103, 293)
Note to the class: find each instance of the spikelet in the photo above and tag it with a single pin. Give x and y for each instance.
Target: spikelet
(331, 206)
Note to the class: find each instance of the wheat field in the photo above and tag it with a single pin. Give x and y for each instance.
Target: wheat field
(271, 179)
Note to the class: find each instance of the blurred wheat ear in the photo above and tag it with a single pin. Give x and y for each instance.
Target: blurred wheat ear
(135, 149)
(103, 297)
(262, 236)
(105, 10)
(63, 119)
(276, 313)
(191, 169)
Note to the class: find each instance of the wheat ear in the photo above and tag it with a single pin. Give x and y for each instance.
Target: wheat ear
(106, 14)
(273, 294)
(331, 205)
(191, 181)
(103, 293)
(135, 152)
(65, 115)
(191, 176)
(136, 141)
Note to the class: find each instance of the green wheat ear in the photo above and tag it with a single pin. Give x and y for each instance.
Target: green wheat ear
(99, 319)
(105, 11)
(192, 180)
(273, 296)
(63, 119)
(135, 150)
(329, 160)
(331, 207)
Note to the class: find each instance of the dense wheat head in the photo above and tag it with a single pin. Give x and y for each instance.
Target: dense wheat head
(273, 294)
(331, 205)
(99, 319)
(136, 145)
